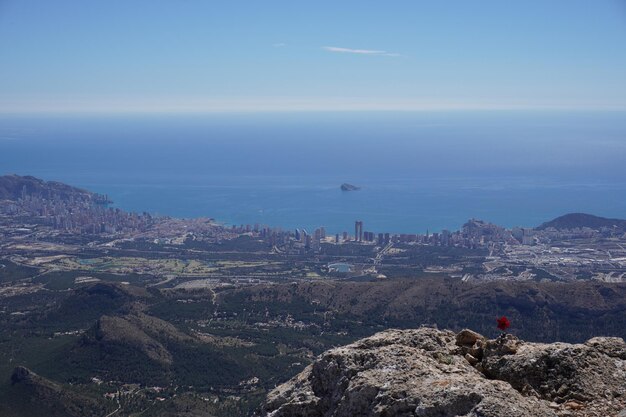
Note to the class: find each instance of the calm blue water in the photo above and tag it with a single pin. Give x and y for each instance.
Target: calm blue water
(417, 171)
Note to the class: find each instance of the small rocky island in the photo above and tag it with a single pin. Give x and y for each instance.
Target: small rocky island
(349, 187)
(432, 373)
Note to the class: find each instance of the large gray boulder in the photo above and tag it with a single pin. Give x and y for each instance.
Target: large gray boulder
(434, 373)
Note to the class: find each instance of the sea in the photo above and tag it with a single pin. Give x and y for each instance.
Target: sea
(418, 171)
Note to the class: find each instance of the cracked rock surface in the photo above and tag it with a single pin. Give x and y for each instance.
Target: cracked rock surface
(437, 373)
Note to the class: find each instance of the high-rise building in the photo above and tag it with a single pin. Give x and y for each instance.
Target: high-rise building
(445, 237)
(358, 231)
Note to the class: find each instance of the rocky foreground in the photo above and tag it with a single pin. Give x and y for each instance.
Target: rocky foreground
(428, 372)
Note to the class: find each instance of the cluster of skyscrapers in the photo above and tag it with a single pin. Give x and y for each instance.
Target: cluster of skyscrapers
(473, 234)
(80, 215)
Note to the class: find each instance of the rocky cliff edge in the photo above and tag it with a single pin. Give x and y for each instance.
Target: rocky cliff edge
(428, 372)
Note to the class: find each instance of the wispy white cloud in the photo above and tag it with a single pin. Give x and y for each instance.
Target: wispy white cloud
(279, 45)
(340, 50)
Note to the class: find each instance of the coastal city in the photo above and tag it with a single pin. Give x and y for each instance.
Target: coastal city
(104, 284)
(312, 209)
(43, 224)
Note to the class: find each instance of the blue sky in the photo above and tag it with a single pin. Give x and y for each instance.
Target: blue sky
(151, 55)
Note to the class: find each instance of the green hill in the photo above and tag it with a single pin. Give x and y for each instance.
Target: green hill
(578, 220)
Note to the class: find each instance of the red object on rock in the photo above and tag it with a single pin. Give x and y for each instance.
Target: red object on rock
(503, 323)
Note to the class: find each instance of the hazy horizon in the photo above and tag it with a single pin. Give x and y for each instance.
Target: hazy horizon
(420, 170)
(254, 114)
(145, 56)
(247, 111)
